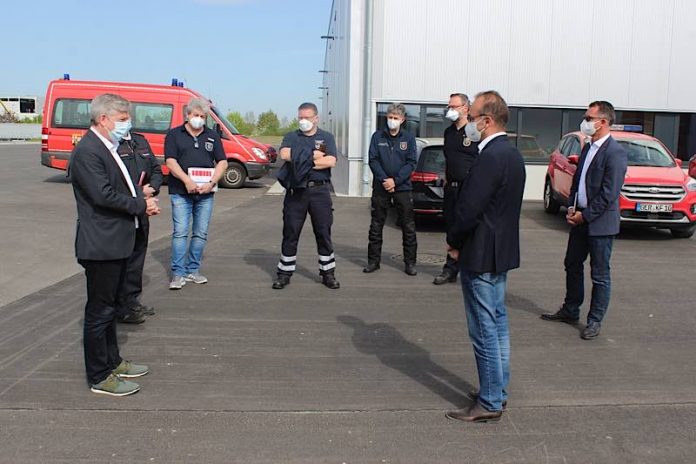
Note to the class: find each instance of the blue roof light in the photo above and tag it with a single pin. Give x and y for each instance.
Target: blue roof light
(66, 77)
(175, 82)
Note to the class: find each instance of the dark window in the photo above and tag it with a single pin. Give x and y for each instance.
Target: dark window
(412, 123)
(71, 113)
(27, 105)
(435, 122)
(564, 146)
(432, 159)
(574, 146)
(646, 153)
(151, 117)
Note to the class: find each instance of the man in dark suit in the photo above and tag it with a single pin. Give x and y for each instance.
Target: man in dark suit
(594, 216)
(108, 206)
(485, 240)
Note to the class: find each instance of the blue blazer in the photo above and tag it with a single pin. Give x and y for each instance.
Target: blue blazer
(603, 183)
(486, 229)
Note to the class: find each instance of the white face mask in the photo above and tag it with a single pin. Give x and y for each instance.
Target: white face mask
(306, 125)
(452, 114)
(393, 124)
(588, 128)
(196, 122)
(472, 131)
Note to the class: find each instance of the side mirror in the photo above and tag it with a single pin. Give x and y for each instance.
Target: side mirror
(679, 162)
(573, 159)
(692, 167)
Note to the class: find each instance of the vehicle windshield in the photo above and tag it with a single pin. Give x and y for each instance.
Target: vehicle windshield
(230, 127)
(432, 159)
(646, 153)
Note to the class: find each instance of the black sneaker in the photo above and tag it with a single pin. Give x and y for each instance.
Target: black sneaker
(145, 310)
(133, 317)
(329, 280)
(281, 281)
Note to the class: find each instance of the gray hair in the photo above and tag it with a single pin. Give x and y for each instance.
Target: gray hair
(107, 104)
(397, 108)
(200, 104)
(463, 97)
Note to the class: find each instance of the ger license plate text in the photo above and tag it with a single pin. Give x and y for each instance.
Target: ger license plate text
(653, 208)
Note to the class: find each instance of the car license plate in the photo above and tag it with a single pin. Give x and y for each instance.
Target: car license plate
(653, 208)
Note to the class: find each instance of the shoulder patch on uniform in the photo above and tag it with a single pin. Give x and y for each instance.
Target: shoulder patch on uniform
(403, 145)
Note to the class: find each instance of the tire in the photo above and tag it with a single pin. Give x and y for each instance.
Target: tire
(683, 233)
(234, 177)
(551, 206)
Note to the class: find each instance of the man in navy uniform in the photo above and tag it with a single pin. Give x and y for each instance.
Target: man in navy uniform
(392, 160)
(311, 153)
(145, 172)
(460, 153)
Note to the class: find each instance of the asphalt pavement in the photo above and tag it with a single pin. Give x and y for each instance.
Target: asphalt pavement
(242, 373)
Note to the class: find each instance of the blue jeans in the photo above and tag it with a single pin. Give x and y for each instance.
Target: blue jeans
(486, 315)
(186, 257)
(580, 244)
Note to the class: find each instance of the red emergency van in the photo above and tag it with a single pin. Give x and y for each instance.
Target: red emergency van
(154, 110)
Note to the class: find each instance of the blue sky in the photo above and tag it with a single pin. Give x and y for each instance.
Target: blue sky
(246, 55)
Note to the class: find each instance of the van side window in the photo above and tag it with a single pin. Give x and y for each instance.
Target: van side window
(71, 113)
(151, 117)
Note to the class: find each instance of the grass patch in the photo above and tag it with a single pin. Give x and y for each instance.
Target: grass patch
(269, 139)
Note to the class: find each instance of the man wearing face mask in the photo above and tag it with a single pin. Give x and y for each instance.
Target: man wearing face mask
(594, 215)
(145, 172)
(485, 238)
(392, 160)
(310, 153)
(108, 209)
(187, 147)
(460, 153)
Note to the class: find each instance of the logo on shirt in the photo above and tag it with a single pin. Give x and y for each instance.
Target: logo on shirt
(466, 142)
(318, 144)
(209, 145)
(403, 145)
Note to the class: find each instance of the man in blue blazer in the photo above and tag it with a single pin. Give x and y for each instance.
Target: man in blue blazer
(485, 238)
(594, 215)
(109, 208)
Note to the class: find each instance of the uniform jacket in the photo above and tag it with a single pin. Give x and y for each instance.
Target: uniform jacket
(487, 216)
(603, 182)
(106, 210)
(393, 157)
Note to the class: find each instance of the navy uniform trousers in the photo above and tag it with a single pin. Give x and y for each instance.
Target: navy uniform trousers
(449, 209)
(315, 200)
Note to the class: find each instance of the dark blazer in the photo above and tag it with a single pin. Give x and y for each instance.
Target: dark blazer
(603, 183)
(106, 210)
(486, 228)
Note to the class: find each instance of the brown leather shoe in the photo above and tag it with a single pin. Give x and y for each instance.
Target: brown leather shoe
(475, 413)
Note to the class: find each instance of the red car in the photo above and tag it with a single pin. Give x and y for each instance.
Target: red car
(656, 192)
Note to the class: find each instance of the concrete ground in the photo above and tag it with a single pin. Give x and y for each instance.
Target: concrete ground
(245, 374)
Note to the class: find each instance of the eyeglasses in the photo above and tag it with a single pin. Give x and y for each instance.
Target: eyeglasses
(195, 141)
(454, 107)
(590, 118)
(472, 118)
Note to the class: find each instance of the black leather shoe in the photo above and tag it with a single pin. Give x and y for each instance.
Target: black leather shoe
(145, 310)
(475, 413)
(474, 396)
(410, 269)
(281, 282)
(444, 278)
(371, 267)
(560, 316)
(591, 331)
(133, 317)
(329, 281)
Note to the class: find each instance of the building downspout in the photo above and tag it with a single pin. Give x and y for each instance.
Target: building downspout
(367, 98)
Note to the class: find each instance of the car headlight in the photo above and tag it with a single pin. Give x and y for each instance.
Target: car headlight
(691, 185)
(259, 153)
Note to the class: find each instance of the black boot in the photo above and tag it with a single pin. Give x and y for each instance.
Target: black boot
(371, 267)
(282, 281)
(329, 280)
(410, 269)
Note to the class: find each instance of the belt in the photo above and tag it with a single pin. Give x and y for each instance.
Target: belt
(317, 183)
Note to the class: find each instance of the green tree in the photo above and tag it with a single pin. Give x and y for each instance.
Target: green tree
(239, 122)
(289, 126)
(268, 123)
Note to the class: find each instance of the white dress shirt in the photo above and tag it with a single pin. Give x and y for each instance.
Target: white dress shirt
(124, 171)
(582, 189)
(485, 141)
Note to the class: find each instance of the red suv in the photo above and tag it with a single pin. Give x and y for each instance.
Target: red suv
(656, 191)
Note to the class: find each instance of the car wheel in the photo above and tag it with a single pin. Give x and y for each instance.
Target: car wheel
(234, 176)
(683, 233)
(551, 206)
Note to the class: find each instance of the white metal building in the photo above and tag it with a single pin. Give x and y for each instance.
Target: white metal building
(20, 107)
(547, 58)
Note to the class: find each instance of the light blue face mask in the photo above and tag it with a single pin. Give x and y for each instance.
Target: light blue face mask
(120, 130)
